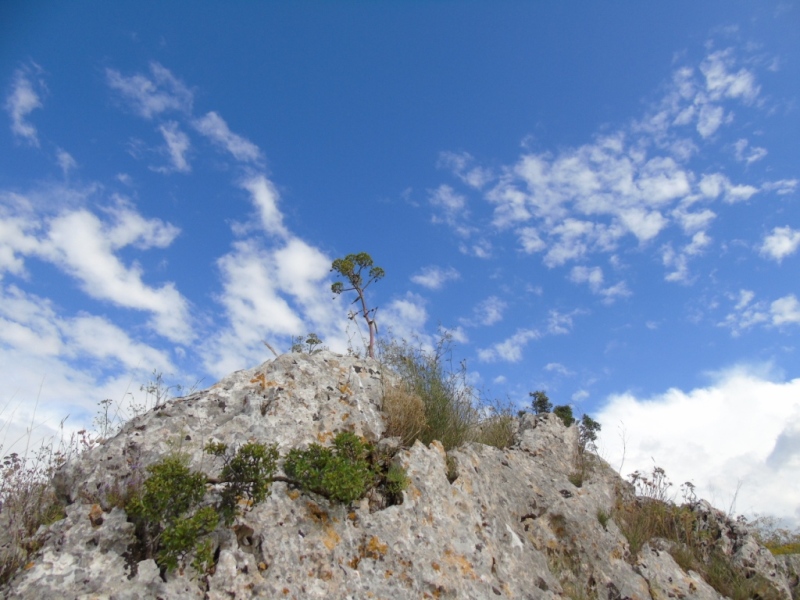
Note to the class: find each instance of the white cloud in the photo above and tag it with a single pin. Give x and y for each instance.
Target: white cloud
(782, 242)
(678, 261)
(746, 313)
(84, 247)
(178, 145)
(216, 129)
(451, 208)
(741, 428)
(781, 187)
(509, 350)
(487, 312)
(21, 101)
(153, 95)
(461, 164)
(265, 198)
(594, 278)
(785, 310)
(559, 323)
(558, 368)
(405, 319)
(715, 184)
(60, 365)
(748, 155)
(433, 277)
(65, 161)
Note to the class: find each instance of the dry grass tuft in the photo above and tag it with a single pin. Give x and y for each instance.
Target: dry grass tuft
(405, 414)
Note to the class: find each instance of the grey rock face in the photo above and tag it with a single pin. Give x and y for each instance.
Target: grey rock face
(478, 522)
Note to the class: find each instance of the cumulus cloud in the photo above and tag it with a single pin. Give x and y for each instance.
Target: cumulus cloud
(85, 247)
(752, 440)
(628, 186)
(782, 242)
(216, 129)
(434, 278)
(150, 95)
(748, 312)
(23, 99)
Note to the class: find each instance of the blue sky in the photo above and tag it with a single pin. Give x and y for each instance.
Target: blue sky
(600, 201)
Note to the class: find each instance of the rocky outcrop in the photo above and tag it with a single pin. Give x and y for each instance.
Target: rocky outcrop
(476, 522)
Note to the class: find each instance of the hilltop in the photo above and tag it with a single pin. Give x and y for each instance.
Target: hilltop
(539, 518)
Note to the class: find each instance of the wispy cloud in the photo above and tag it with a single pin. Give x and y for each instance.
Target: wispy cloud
(22, 100)
(593, 276)
(487, 312)
(178, 145)
(747, 154)
(150, 95)
(434, 278)
(65, 161)
(216, 129)
(510, 349)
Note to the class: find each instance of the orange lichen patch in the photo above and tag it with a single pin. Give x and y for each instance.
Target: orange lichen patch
(96, 515)
(352, 515)
(374, 548)
(345, 389)
(345, 416)
(285, 591)
(262, 566)
(330, 538)
(388, 573)
(414, 491)
(324, 436)
(460, 561)
(353, 562)
(436, 566)
(293, 494)
(317, 514)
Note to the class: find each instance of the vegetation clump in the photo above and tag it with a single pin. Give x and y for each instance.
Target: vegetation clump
(692, 539)
(436, 402)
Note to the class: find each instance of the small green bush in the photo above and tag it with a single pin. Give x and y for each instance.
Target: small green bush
(564, 412)
(169, 522)
(342, 473)
(246, 475)
(396, 482)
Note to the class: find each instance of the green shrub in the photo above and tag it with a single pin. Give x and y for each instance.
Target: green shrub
(396, 482)
(247, 475)
(169, 522)
(540, 402)
(342, 473)
(564, 412)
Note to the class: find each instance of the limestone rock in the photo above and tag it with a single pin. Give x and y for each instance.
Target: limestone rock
(477, 522)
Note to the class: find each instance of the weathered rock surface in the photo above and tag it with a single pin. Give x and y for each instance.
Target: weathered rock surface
(510, 524)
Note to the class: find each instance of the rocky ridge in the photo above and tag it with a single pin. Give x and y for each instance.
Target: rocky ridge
(476, 522)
